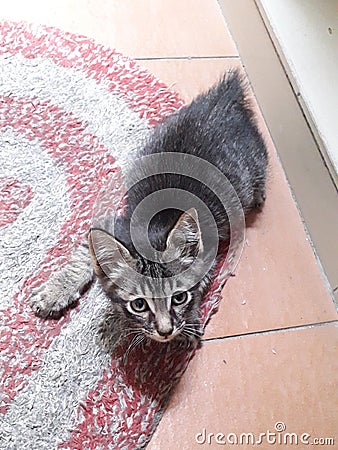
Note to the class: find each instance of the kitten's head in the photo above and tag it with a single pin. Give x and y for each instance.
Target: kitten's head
(147, 296)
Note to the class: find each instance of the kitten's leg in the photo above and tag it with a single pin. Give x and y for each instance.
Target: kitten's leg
(63, 288)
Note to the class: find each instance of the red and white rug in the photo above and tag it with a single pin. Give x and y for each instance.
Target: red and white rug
(70, 110)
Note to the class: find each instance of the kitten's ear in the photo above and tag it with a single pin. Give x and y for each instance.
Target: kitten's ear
(108, 255)
(185, 238)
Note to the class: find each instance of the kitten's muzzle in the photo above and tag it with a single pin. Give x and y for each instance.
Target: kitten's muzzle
(167, 335)
(164, 336)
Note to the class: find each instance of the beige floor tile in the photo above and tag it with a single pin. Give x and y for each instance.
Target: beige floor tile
(248, 384)
(147, 28)
(190, 77)
(278, 282)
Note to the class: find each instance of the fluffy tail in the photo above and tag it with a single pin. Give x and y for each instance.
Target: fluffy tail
(230, 91)
(226, 98)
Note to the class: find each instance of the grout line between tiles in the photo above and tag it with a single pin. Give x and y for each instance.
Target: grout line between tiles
(274, 330)
(188, 58)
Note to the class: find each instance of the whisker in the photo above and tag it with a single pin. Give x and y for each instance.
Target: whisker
(136, 330)
(180, 328)
(190, 339)
(138, 342)
(188, 333)
(191, 325)
(123, 336)
(134, 343)
(193, 331)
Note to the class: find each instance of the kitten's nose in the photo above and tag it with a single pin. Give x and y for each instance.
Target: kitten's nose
(165, 333)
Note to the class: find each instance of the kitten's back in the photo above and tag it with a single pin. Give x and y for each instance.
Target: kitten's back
(219, 127)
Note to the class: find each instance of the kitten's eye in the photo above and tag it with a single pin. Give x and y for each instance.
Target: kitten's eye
(179, 299)
(139, 305)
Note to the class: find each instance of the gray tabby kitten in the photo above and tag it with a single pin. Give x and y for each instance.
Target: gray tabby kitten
(158, 295)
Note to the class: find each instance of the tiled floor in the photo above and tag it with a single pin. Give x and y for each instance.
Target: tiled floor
(270, 351)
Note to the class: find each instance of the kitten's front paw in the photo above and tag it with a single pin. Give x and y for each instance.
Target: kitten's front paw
(50, 302)
(63, 288)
